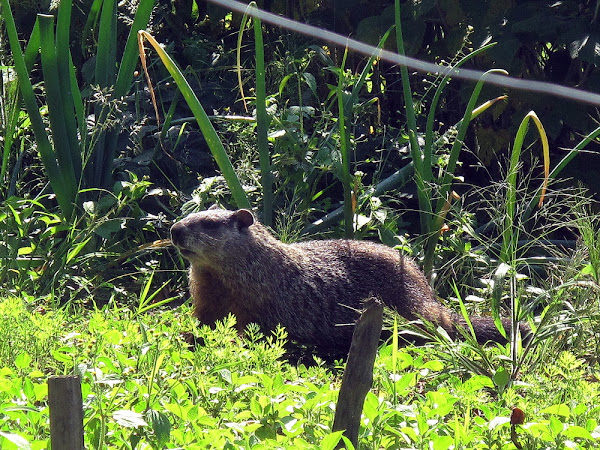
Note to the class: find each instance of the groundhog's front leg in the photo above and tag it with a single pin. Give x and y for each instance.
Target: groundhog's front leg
(211, 298)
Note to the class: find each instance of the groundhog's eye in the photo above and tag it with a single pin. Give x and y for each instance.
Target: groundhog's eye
(209, 225)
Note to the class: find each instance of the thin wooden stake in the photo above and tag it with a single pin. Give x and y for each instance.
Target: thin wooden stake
(66, 413)
(358, 376)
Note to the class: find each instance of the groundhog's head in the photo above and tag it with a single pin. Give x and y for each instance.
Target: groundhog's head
(204, 237)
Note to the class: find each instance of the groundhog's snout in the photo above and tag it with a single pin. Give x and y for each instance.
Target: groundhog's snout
(177, 234)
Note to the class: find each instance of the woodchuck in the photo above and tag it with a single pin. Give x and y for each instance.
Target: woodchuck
(315, 288)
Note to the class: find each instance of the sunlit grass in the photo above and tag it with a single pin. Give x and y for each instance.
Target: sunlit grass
(142, 384)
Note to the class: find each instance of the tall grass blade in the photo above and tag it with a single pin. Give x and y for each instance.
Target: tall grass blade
(99, 172)
(463, 311)
(545, 154)
(406, 90)
(510, 232)
(210, 135)
(367, 69)
(344, 148)
(63, 195)
(57, 109)
(262, 122)
(238, 59)
(69, 90)
(31, 52)
(421, 179)
(91, 22)
(106, 62)
(559, 167)
(130, 55)
(11, 113)
(445, 182)
(502, 271)
(457, 145)
(79, 114)
(428, 147)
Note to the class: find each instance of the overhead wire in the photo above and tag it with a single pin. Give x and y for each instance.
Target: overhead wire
(330, 37)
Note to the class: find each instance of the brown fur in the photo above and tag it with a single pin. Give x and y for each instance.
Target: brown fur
(315, 288)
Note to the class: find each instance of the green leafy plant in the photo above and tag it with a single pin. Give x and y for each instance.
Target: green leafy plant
(142, 386)
(45, 253)
(73, 159)
(433, 192)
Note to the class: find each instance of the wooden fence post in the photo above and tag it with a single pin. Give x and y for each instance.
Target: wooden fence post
(358, 376)
(66, 413)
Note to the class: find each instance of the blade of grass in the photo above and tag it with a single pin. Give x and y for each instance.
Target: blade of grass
(31, 52)
(559, 167)
(33, 47)
(428, 147)
(545, 154)
(100, 171)
(75, 251)
(105, 71)
(420, 176)
(344, 148)
(90, 23)
(68, 85)
(367, 69)
(61, 190)
(463, 311)
(510, 234)
(12, 111)
(130, 54)
(262, 122)
(210, 135)
(500, 274)
(445, 181)
(56, 108)
(238, 58)
(406, 90)
(124, 80)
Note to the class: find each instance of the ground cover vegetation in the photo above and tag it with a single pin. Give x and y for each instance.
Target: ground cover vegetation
(101, 154)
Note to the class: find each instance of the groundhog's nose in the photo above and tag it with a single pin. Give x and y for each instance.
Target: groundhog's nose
(177, 231)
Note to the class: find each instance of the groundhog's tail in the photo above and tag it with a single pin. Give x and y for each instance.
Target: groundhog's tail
(486, 330)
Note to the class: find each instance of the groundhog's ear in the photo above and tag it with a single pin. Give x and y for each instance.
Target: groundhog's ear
(244, 218)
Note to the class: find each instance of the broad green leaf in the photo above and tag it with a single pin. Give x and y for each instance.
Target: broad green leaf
(501, 378)
(442, 442)
(575, 432)
(23, 361)
(160, 426)
(331, 441)
(558, 410)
